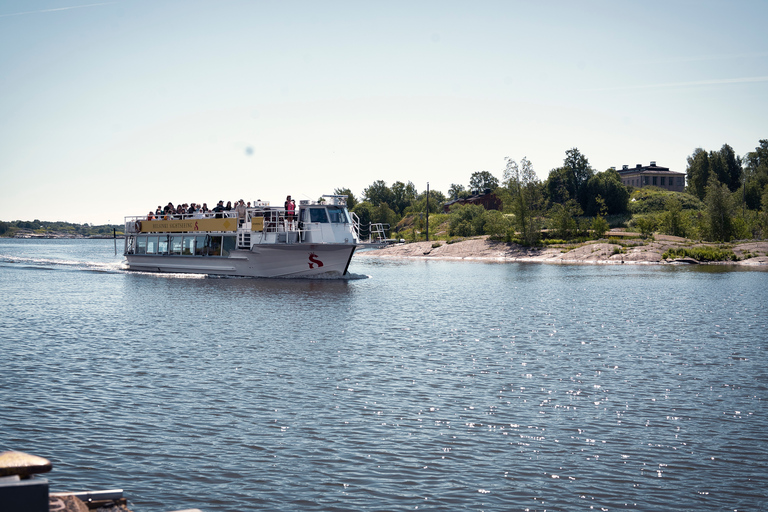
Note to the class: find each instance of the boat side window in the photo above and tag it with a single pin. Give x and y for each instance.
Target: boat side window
(317, 215)
(141, 245)
(162, 245)
(176, 244)
(338, 215)
(214, 246)
(151, 245)
(188, 246)
(228, 245)
(199, 245)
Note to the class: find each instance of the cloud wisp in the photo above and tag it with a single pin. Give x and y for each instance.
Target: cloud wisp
(696, 83)
(55, 9)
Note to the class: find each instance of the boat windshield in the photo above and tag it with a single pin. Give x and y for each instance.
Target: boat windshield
(317, 215)
(338, 215)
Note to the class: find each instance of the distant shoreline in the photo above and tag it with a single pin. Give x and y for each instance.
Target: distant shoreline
(749, 253)
(62, 237)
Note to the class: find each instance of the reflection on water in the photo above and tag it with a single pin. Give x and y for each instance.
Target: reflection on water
(438, 385)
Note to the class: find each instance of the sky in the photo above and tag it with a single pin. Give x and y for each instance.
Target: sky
(109, 109)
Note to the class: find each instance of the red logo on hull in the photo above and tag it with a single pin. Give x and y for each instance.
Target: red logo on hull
(314, 261)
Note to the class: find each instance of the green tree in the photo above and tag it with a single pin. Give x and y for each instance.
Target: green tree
(647, 225)
(569, 181)
(560, 186)
(455, 191)
(764, 213)
(351, 200)
(402, 196)
(672, 221)
(466, 220)
(525, 192)
(698, 173)
(378, 193)
(732, 168)
(385, 215)
(364, 212)
(578, 165)
(614, 195)
(495, 223)
(756, 175)
(481, 180)
(563, 219)
(599, 225)
(719, 210)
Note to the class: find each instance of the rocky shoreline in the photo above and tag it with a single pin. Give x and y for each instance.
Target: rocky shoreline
(631, 251)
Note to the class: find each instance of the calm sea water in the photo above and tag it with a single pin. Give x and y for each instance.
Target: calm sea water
(426, 385)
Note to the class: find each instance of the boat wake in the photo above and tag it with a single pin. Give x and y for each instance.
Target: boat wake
(54, 263)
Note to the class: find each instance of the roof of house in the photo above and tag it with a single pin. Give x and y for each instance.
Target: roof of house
(653, 168)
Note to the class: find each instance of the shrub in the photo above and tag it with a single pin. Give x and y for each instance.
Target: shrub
(654, 200)
(646, 224)
(466, 220)
(495, 223)
(599, 226)
(701, 254)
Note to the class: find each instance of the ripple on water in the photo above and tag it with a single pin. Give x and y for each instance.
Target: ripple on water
(434, 385)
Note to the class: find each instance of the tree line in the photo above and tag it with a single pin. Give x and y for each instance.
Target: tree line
(726, 197)
(38, 227)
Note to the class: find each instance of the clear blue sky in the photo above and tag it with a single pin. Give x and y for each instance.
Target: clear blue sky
(111, 108)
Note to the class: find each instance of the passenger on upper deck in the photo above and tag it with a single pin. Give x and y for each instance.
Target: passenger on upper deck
(290, 211)
(240, 209)
(218, 209)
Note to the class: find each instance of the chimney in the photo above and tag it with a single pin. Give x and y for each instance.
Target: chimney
(653, 163)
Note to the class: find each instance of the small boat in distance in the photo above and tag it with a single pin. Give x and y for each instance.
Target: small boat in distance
(317, 240)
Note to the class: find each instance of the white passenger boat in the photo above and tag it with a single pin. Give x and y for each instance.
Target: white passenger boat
(318, 241)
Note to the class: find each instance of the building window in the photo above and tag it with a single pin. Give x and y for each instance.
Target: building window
(654, 180)
(663, 181)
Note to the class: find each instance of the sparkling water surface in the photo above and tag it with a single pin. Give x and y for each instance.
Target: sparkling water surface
(414, 385)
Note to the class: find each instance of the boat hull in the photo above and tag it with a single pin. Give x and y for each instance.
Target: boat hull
(287, 260)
